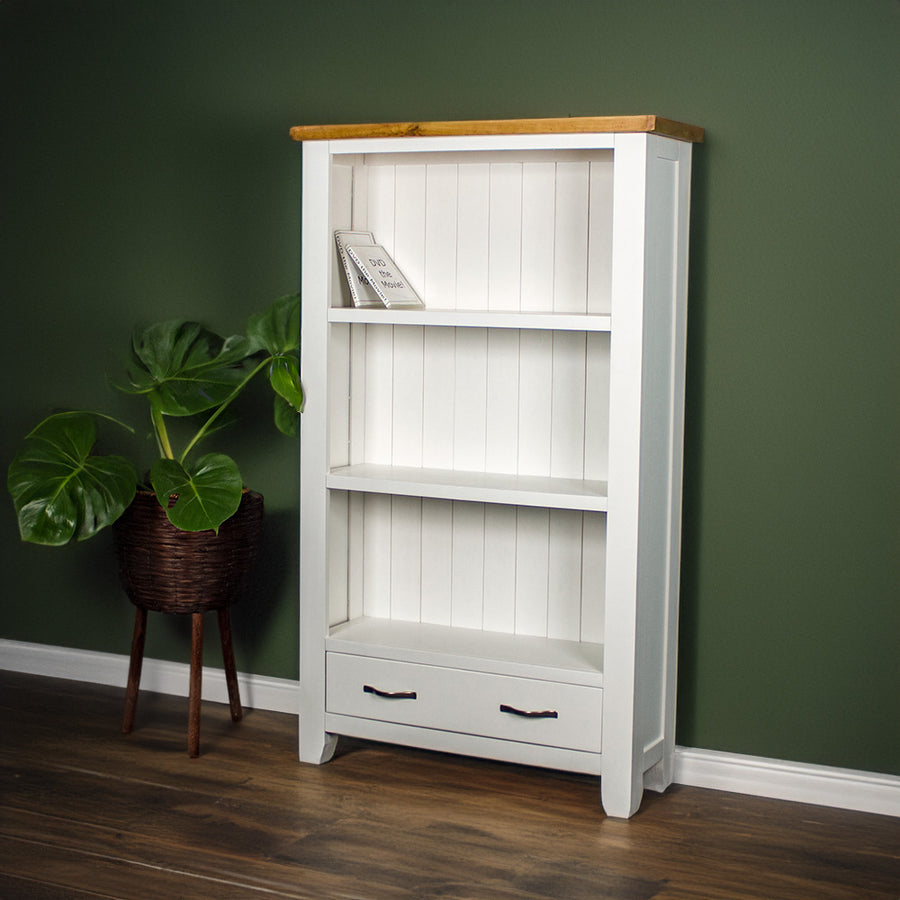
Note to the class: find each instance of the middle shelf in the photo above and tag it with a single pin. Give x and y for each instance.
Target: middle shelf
(419, 407)
(483, 487)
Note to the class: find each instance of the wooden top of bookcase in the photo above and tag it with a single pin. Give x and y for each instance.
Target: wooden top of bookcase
(569, 125)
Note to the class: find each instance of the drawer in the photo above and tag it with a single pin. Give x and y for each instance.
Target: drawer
(563, 715)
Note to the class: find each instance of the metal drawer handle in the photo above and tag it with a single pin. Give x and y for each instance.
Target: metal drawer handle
(535, 714)
(390, 695)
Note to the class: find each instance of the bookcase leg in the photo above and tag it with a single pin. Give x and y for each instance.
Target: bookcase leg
(317, 751)
(621, 796)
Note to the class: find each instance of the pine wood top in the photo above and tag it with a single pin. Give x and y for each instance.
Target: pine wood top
(568, 125)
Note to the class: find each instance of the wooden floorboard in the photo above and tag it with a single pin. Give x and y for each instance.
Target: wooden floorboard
(87, 812)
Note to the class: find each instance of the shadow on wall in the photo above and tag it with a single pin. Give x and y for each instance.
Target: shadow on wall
(692, 500)
(275, 577)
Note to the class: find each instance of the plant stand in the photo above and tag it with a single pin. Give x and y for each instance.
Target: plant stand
(196, 675)
(166, 570)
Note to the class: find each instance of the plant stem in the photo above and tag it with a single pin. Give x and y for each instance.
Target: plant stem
(161, 432)
(209, 422)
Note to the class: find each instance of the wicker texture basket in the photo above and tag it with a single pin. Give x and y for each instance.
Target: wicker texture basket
(167, 570)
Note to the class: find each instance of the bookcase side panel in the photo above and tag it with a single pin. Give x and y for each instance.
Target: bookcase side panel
(622, 782)
(317, 257)
(662, 447)
(656, 447)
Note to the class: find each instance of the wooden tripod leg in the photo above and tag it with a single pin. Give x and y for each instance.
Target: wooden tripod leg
(195, 684)
(234, 697)
(134, 668)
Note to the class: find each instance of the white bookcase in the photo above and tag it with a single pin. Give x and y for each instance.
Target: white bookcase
(490, 486)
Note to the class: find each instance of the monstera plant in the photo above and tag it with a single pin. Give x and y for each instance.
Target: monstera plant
(63, 490)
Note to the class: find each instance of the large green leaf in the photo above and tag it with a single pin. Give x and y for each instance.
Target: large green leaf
(205, 496)
(184, 367)
(277, 330)
(284, 376)
(286, 418)
(59, 489)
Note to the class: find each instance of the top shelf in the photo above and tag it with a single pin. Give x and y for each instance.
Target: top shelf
(568, 125)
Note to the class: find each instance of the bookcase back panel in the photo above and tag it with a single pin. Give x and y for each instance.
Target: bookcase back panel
(525, 232)
(508, 401)
(514, 570)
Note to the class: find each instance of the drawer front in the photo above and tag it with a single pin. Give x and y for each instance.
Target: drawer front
(497, 706)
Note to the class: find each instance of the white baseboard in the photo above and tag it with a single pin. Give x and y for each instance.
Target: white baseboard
(800, 782)
(157, 675)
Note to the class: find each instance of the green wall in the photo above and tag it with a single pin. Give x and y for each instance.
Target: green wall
(147, 173)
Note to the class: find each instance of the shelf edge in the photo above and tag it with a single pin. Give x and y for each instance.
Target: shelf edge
(366, 478)
(454, 318)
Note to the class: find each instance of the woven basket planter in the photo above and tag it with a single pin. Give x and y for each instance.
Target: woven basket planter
(167, 570)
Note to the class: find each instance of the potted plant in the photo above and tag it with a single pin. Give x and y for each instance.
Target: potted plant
(63, 490)
(187, 534)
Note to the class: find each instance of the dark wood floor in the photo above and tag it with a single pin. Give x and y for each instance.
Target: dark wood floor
(87, 812)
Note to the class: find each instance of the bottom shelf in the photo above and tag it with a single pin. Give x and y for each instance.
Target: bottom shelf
(521, 698)
(523, 656)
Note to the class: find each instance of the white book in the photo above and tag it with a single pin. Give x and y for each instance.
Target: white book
(362, 294)
(384, 275)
